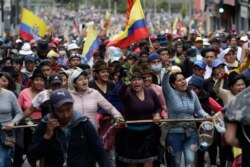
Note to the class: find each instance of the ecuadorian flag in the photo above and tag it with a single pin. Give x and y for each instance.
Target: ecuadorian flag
(135, 26)
(31, 26)
(91, 45)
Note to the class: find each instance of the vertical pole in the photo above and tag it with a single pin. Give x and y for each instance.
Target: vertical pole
(109, 5)
(154, 8)
(115, 7)
(2, 18)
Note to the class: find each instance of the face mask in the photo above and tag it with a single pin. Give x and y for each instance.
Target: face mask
(156, 68)
(62, 52)
(193, 59)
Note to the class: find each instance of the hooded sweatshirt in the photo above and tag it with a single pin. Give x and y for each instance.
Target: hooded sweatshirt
(74, 146)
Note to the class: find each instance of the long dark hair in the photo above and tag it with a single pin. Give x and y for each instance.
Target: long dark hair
(11, 86)
(172, 79)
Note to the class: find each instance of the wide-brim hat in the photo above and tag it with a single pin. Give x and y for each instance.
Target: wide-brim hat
(26, 49)
(42, 46)
(146, 69)
(37, 73)
(100, 65)
(234, 76)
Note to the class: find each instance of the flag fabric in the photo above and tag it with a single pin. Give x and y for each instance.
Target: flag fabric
(176, 20)
(91, 45)
(135, 29)
(106, 23)
(31, 26)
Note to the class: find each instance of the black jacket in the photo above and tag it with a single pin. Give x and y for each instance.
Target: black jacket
(78, 147)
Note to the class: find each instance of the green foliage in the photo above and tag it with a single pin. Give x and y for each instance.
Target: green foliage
(183, 10)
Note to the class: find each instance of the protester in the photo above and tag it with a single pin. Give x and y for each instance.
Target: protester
(156, 66)
(148, 83)
(88, 100)
(37, 83)
(101, 80)
(10, 115)
(236, 84)
(42, 100)
(137, 143)
(22, 78)
(61, 127)
(182, 103)
(237, 124)
(29, 62)
(211, 107)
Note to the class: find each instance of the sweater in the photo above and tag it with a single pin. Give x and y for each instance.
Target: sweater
(88, 102)
(180, 105)
(136, 109)
(10, 109)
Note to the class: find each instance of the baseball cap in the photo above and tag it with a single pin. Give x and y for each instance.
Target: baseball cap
(216, 63)
(191, 52)
(76, 73)
(29, 58)
(198, 39)
(196, 81)
(55, 78)
(226, 51)
(200, 64)
(59, 97)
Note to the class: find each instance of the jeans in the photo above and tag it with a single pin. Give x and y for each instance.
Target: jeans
(5, 155)
(176, 143)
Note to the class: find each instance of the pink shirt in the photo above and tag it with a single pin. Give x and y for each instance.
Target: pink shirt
(88, 102)
(25, 101)
(158, 91)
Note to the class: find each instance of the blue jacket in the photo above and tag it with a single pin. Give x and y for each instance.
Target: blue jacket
(76, 147)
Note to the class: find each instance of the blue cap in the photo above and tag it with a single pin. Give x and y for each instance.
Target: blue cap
(196, 81)
(29, 58)
(153, 56)
(200, 64)
(59, 97)
(216, 63)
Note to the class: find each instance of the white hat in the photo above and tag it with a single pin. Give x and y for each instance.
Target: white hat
(18, 41)
(205, 42)
(72, 46)
(226, 51)
(26, 49)
(244, 38)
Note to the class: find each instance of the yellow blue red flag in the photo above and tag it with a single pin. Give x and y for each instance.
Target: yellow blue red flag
(91, 45)
(135, 29)
(31, 26)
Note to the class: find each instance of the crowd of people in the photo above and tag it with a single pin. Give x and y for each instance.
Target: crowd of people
(83, 111)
